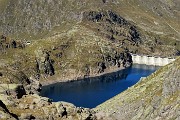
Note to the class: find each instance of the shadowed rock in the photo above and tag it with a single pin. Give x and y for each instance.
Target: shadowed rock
(5, 109)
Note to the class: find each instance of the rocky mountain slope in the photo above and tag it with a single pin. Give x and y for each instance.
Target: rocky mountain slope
(153, 98)
(60, 39)
(51, 40)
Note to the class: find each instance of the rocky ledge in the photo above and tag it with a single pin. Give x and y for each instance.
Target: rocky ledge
(41, 108)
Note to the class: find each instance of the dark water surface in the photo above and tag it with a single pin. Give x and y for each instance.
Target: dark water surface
(91, 92)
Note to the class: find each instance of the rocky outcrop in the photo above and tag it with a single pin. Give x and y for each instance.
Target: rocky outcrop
(44, 64)
(7, 43)
(115, 60)
(36, 107)
(5, 113)
(22, 85)
(113, 26)
(15, 90)
(34, 87)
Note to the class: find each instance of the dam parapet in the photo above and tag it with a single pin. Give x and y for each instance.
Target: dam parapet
(151, 60)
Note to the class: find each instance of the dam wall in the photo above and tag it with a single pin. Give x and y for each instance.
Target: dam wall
(151, 60)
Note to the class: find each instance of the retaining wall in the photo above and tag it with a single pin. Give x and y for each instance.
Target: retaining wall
(151, 60)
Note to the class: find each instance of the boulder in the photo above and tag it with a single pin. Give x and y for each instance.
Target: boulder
(16, 90)
(34, 87)
(27, 116)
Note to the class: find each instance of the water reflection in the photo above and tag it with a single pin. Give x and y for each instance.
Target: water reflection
(91, 92)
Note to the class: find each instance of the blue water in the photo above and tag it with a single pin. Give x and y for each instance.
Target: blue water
(91, 92)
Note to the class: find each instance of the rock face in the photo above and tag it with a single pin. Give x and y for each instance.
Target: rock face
(16, 90)
(154, 97)
(117, 28)
(44, 64)
(34, 87)
(4, 112)
(36, 107)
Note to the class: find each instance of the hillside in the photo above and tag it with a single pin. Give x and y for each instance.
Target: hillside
(45, 41)
(154, 97)
(60, 39)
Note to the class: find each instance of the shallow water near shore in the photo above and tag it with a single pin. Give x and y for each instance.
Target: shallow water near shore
(90, 92)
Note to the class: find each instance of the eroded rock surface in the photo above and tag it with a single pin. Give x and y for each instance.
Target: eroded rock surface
(36, 107)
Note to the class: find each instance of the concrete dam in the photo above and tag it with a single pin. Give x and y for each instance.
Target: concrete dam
(151, 60)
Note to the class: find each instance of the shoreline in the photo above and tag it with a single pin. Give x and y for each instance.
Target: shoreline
(108, 71)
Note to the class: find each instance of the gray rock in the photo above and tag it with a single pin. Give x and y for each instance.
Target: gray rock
(27, 116)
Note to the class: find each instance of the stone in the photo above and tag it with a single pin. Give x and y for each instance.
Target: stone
(34, 87)
(27, 116)
(32, 106)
